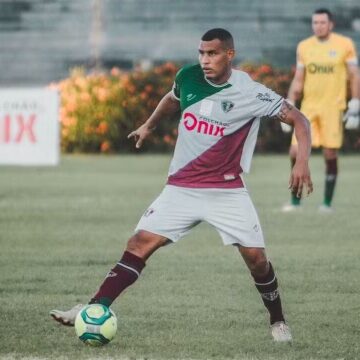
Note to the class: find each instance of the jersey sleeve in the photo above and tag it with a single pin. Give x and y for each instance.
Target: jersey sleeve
(265, 102)
(351, 56)
(176, 89)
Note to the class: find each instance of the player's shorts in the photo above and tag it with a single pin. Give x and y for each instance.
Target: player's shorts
(177, 210)
(326, 126)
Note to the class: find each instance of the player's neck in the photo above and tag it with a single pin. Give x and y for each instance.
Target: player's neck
(324, 38)
(222, 80)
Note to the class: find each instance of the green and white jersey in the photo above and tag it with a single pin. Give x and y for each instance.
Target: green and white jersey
(218, 128)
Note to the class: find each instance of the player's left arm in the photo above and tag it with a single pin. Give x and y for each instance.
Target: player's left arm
(300, 176)
(352, 116)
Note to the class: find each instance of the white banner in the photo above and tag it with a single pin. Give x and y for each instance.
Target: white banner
(29, 126)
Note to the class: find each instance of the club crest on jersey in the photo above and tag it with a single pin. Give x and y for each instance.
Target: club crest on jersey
(332, 53)
(227, 106)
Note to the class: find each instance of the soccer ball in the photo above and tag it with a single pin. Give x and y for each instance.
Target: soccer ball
(95, 324)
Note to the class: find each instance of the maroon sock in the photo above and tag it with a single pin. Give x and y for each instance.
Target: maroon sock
(268, 289)
(125, 273)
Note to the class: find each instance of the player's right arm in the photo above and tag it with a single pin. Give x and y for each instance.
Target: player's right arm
(297, 85)
(167, 107)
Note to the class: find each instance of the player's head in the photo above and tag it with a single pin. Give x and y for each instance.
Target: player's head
(322, 23)
(216, 52)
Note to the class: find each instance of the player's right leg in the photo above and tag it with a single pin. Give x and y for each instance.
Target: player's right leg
(168, 219)
(139, 248)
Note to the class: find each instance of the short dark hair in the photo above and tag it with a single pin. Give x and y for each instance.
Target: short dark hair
(223, 35)
(324, 11)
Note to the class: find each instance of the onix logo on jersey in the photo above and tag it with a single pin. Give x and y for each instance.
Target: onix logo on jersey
(320, 69)
(191, 123)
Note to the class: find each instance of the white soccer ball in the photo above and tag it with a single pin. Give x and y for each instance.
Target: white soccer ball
(96, 324)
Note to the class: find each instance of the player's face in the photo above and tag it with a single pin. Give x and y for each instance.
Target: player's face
(215, 60)
(321, 26)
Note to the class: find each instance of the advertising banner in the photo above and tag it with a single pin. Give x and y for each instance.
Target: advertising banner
(29, 126)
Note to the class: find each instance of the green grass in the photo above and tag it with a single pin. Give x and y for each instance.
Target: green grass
(62, 228)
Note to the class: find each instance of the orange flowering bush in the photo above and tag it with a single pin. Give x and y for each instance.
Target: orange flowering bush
(98, 111)
(275, 79)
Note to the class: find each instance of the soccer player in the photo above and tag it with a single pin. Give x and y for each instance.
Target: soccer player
(220, 115)
(324, 61)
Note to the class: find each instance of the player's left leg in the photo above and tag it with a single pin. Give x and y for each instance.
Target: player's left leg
(233, 215)
(331, 163)
(265, 279)
(266, 283)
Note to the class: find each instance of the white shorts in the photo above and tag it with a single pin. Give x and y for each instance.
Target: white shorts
(177, 210)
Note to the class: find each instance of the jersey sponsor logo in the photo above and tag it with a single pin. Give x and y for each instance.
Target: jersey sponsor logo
(190, 97)
(314, 68)
(264, 97)
(227, 106)
(192, 123)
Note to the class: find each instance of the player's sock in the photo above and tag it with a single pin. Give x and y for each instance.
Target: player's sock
(330, 180)
(268, 289)
(125, 273)
(294, 199)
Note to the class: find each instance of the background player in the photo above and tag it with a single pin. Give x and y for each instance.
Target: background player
(323, 62)
(220, 116)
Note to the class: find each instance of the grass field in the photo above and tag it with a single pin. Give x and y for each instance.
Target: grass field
(62, 228)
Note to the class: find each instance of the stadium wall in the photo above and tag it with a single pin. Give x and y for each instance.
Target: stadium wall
(41, 39)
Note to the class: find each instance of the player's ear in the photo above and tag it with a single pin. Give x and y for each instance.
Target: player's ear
(331, 25)
(231, 54)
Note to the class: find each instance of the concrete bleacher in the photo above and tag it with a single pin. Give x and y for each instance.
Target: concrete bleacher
(41, 39)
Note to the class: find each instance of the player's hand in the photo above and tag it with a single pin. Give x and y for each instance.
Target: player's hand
(140, 134)
(352, 116)
(300, 179)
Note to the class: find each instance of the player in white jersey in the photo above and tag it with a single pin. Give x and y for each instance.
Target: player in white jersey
(220, 114)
